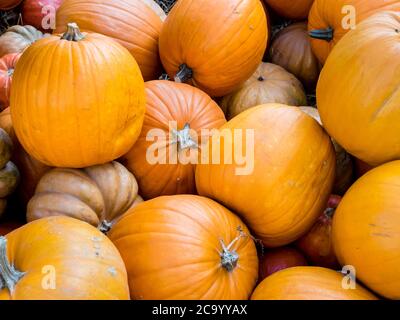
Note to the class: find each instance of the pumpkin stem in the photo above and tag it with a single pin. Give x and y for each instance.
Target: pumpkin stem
(183, 138)
(10, 72)
(184, 74)
(324, 34)
(9, 276)
(105, 226)
(260, 78)
(229, 258)
(73, 33)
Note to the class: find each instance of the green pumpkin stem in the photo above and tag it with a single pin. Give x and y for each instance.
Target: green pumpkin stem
(9, 276)
(73, 33)
(323, 34)
(230, 258)
(184, 74)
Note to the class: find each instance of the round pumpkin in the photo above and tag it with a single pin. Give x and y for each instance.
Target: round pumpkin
(7, 66)
(217, 45)
(30, 169)
(344, 164)
(18, 38)
(84, 262)
(98, 195)
(9, 4)
(292, 9)
(366, 229)
(186, 247)
(330, 20)
(278, 259)
(133, 23)
(284, 177)
(269, 84)
(317, 244)
(181, 112)
(100, 105)
(291, 49)
(359, 109)
(308, 283)
(35, 12)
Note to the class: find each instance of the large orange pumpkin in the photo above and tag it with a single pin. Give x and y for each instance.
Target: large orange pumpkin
(100, 105)
(284, 177)
(269, 84)
(83, 261)
(357, 93)
(30, 169)
(291, 49)
(308, 283)
(366, 229)
(7, 66)
(133, 23)
(9, 4)
(186, 247)
(293, 9)
(215, 44)
(172, 106)
(330, 20)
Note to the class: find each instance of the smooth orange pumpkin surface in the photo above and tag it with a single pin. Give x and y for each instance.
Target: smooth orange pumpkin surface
(281, 196)
(215, 44)
(186, 247)
(7, 66)
(360, 112)
(70, 106)
(366, 229)
(132, 23)
(293, 9)
(9, 4)
(84, 261)
(330, 20)
(308, 283)
(172, 106)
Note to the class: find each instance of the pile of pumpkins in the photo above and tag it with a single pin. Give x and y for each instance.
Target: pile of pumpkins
(81, 104)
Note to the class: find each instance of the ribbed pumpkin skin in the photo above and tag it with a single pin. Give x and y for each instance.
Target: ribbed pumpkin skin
(293, 9)
(86, 263)
(18, 38)
(366, 229)
(358, 111)
(293, 158)
(167, 102)
(133, 23)
(308, 283)
(100, 105)
(171, 248)
(9, 4)
(223, 42)
(96, 194)
(7, 66)
(291, 49)
(269, 84)
(328, 13)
